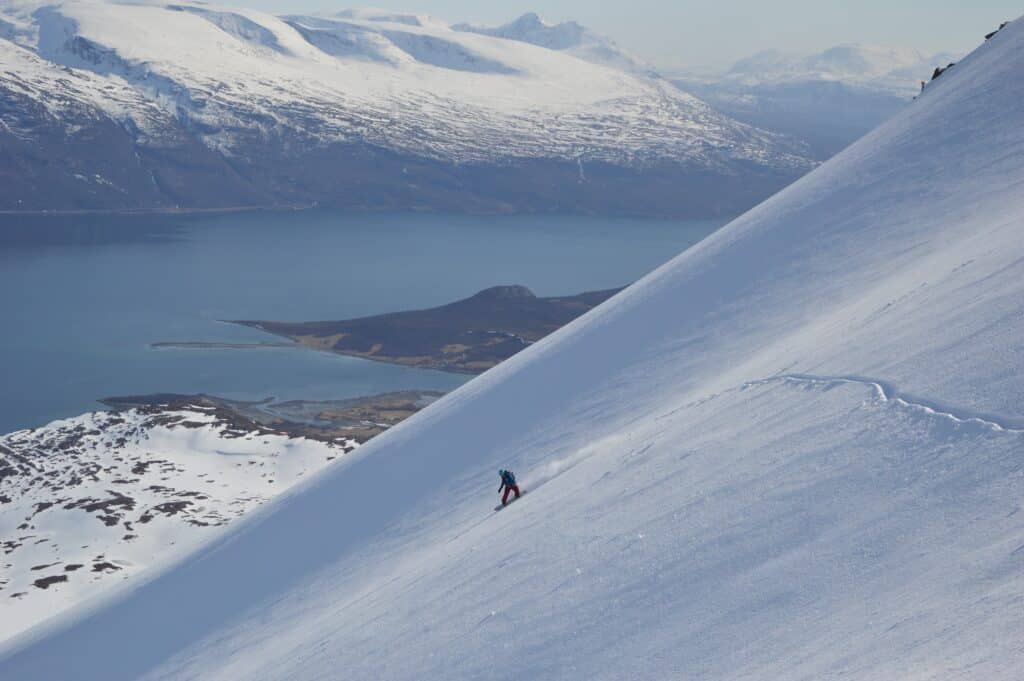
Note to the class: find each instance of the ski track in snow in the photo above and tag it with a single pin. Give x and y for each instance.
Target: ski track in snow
(884, 391)
(887, 392)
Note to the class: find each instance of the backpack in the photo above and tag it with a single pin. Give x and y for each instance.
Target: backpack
(508, 478)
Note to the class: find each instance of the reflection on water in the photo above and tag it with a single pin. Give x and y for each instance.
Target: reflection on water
(19, 233)
(83, 297)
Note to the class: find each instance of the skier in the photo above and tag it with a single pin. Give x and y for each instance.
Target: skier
(508, 483)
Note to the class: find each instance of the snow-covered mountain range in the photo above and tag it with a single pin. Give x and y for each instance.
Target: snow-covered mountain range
(827, 100)
(792, 452)
(108, 104)
(898, 70)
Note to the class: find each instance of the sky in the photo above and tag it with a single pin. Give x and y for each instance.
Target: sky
(702, 34)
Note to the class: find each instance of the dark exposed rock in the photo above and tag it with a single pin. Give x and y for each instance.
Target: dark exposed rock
(989, 36)
(939, 70)
(46, 582)
(172, 507)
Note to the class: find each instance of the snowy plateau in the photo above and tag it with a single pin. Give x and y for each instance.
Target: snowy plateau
(179, 106)
(796, 451)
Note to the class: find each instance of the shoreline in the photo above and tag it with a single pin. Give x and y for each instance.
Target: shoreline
(467, 336)
(298, 345)
(64, 212)
(355, 211)
(358, 418)
(215, 345)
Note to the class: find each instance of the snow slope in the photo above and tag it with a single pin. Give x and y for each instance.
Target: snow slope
(793, 452)
(360, 108)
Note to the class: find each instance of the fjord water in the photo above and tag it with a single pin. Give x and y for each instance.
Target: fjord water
(83, 297)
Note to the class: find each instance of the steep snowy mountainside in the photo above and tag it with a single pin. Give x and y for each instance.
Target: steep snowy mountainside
(792, 452)
(569, 37)
(361, 109)
(67, 133)
(90, 501)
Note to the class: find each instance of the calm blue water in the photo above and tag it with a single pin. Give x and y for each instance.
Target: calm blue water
(82, 298)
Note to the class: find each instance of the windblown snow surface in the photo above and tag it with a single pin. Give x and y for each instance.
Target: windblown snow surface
(793, 452)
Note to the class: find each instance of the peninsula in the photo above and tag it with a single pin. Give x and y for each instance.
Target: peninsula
(467, 336)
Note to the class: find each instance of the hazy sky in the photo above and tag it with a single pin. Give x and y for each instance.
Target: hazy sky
(715, 33)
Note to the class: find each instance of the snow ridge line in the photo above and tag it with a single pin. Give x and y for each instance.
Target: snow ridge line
(887, 392)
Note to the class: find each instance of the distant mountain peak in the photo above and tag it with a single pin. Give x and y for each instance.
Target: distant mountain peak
(528, 20)
(384, 16)
(558, 36)
(568, 36)
(883, 67)
(506, 292)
